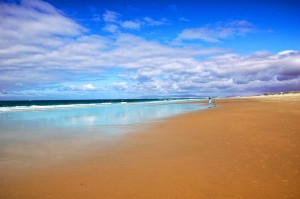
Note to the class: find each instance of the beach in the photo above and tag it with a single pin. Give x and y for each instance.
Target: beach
(243, 148)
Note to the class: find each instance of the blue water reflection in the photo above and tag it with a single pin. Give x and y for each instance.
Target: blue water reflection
(104, 115)
(31, 138)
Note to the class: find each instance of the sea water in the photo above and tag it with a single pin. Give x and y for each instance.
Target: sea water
(77, 114)
(59, 129)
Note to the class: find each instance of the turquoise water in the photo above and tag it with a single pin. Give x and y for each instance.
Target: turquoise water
(56, 132)
(95, 115)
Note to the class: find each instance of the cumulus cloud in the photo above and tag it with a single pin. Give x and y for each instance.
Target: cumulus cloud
(114, 23)
(85, 87)
(32, 54)
(226, 74)
(135, 25)
(29, 31)
(110, 16)
(120, 86)
(112, 28)
(34, 22)
(152, 22)
(217, 32)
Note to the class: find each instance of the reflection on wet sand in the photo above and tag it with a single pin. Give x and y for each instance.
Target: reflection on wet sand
(38, 139)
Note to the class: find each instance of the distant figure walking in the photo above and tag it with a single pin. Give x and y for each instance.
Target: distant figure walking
(210, 102)
(214, 102)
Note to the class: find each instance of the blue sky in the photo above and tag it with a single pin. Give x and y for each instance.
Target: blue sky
(131, 49)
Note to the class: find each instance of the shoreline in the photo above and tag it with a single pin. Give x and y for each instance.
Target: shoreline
(244, 148)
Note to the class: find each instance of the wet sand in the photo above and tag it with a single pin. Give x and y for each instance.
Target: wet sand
(244, 148)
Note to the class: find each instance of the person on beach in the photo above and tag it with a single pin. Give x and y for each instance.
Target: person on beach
(214, 102)
(210, 102)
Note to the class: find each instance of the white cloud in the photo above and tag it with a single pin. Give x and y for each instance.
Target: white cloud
(226, 74)
(135, 25)
(30, 31)
(204, 34)
(110, 16)
(286, 52)
(88, 87)
(34, 19)
(112, 28)
(85, 87)
(119, 86)
(114, 23)
(66, 53)
(217, 32)
(151, 22)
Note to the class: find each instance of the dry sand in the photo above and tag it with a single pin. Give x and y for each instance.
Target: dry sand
(244, 148)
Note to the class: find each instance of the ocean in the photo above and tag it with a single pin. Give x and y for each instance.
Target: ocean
(50, 104)
(59, 129)
(89, 113)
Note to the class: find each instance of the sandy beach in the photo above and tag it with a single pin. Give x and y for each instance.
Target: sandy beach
(244, 148)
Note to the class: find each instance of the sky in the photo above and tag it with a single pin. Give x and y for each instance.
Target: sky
(147, 49)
